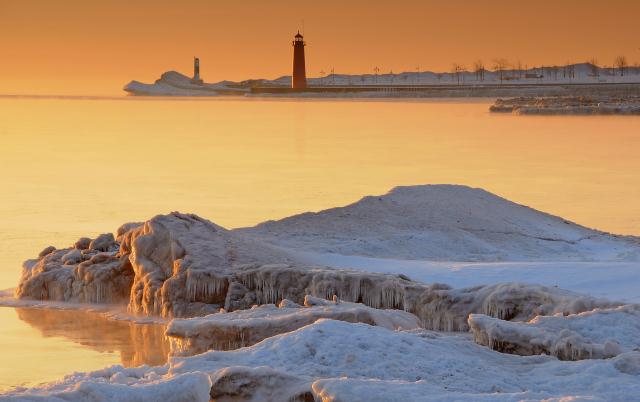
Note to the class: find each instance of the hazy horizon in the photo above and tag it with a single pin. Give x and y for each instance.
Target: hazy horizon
(90, 48)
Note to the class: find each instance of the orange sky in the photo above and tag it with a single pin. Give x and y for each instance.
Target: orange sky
(92, 47)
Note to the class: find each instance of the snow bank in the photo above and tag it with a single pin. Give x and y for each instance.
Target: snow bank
(242, 328)
(596, 334)
(444, 222)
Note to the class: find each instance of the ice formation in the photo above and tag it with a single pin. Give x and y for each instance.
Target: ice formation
(92, 271)
(172, 265)
(446, 223)
(437, 306)
(595, 334)
(180, 265)
(225, 331)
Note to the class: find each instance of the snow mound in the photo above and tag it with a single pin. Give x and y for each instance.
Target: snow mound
(444, 222)
(596, 334)
(225, 331)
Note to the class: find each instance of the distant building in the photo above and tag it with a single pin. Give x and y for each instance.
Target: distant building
(299, 78)
(196, 72)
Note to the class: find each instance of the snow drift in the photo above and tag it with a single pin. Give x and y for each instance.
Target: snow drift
(444, 222)
(596, 334)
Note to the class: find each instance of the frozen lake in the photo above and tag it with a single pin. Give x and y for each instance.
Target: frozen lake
(73, 167)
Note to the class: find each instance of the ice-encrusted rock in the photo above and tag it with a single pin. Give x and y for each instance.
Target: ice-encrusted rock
(226, 331)
(444, 222)
(259, 384)
(173, 265)
(596, 334)
(90, 275)
(181, 261)
(271, 283)
(446, 309)
(438, 306)
(179, 266)
(104, 242)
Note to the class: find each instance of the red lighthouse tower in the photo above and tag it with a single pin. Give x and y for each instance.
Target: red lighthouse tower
(299, 79)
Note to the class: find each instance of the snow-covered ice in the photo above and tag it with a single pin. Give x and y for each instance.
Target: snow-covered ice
(595, 334)
(224, 331)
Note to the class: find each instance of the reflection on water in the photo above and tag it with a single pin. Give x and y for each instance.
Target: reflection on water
(136, 343)
(41, 345)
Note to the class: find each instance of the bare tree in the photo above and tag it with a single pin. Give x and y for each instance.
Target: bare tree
(478, 68)
(519, 69)
(621, 64)
(456, 69)
(499, 65)
(569, 70)
(593, 66)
